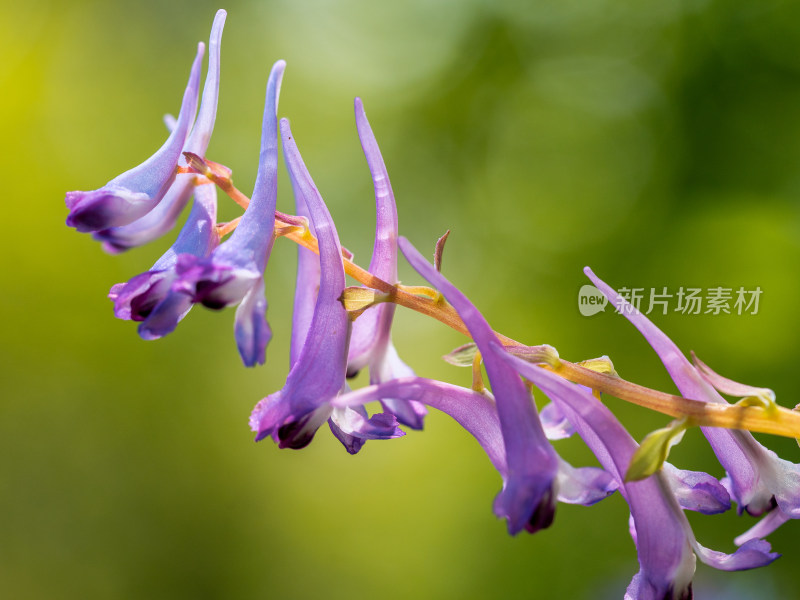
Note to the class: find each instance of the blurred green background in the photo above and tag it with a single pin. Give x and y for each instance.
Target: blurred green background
(658, 142)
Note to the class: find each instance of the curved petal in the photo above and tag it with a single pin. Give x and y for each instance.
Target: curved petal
(152, 225)
(352, 426)
(475, 412)
(351, 443)
(137, 298)
(137, 191)
(163, 217)
(328, 333)
(306, 287)
(697, 491)
(774, 519)
(584, 485)
(225, 277)
(556, 425)
(370, 341)
(150, 297)
(319, 372)
(386, 367)
(250, 244)
(373, 327)
(251, 330)
(298, 433)
(528, 498)
(750, 555)
(663, 536)
(200, 136)
(756, 474)
(665, 555)
(165, 316)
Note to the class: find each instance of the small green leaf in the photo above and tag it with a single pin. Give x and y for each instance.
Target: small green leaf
(358, 299)
(654, 450)
(536, 354)
(761, 401)
(463, 356)
(602, 364)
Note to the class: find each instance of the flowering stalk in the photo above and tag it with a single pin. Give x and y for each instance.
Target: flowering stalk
(779, 421)
(338, 330)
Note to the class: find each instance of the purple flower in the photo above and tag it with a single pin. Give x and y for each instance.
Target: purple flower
(664, 540)
(162, 218)
(149, 297)
(477, 413)
(307, 284)
(233, 273)
(528, 497)
(351, 426)
(371, 342)
(756, 478)
(293, 414)
(694, 490)
(133, 194)
(698, 491)
(556, 426)
(764, 527)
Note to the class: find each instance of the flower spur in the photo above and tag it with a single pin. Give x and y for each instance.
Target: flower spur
(293, 414)
(136, 192)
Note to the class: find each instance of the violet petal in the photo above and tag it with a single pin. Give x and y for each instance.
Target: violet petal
(528, 498)
(137, 191)
(163, 217)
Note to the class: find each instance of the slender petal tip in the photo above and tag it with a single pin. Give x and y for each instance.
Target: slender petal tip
(136, 192)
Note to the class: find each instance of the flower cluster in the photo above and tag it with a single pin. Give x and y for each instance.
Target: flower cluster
(339, 330)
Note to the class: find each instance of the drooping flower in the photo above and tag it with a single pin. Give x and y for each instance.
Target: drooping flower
(556, 426)
(765, 526)
(163, 217)
(665, 543)
(694, 490)
(136, 192)
(528, 497)
(234, 272)
(477, 413)
(293, 414)
(756, 477)
(351, 426)
(371, 343)
(307, 284)
(150, 297)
